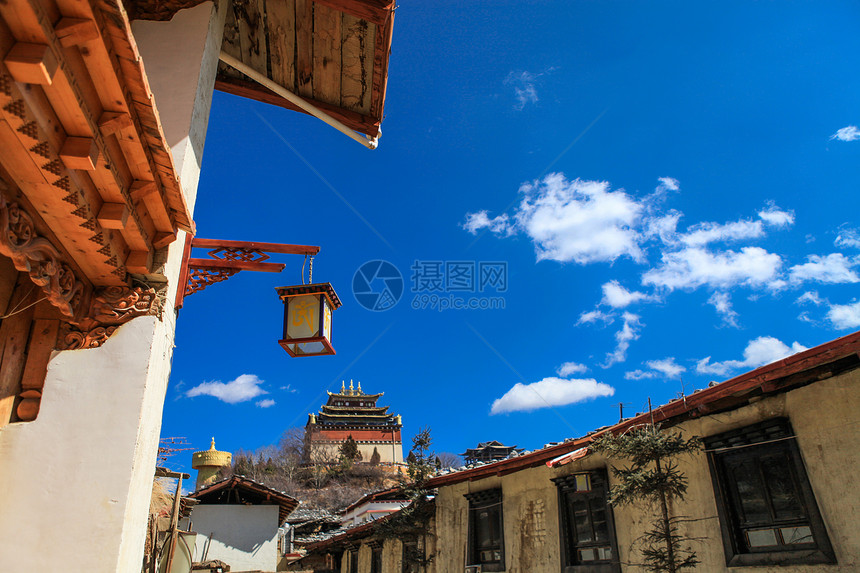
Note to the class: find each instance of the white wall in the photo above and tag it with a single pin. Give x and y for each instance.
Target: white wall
(243, 536)
(372, 510)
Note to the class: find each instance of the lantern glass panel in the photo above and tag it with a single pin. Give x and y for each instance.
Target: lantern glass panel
(303, 316)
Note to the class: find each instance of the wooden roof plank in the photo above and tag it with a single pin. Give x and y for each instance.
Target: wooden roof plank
(304, 47)
(382, 52)
(375, 11)
(359, 37)
(251, 17)
(327, 54)
(282, 42)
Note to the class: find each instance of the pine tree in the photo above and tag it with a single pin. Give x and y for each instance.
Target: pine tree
(349, 453)
(375, 457)
(653, 478)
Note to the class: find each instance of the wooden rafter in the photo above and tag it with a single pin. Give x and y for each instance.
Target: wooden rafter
(93, 161)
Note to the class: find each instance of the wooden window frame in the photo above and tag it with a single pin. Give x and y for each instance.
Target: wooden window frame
(491, 498)
(353, 561)
(566, 491)
(753, 442)
(376, 558)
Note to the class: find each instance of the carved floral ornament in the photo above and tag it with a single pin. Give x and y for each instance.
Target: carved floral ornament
(92, 314)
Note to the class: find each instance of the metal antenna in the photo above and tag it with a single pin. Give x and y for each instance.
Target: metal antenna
(621, 409)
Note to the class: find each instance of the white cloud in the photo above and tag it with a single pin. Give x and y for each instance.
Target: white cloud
(569, 368)
(242, 389)
(844, 316)
(289, 388)
(848, 237)
(668, 183)
(703, 233)
(776, 217)
(639, 375)
(834, 268)
(848, 133)
(664, 227)
(760, 351)
(499, 225)
(723, 305)
(691, 267)
(810, 297)
(267, 403)
(593, 316)
(617, 296)
(666, 367)
(629, 331)
(549, 392)
(580, 221)
(525, 87)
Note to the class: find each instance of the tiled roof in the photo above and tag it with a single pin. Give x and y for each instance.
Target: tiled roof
(285, 502)
(781, 376)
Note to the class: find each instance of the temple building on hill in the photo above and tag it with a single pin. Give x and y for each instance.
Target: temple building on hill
(488, 452)
(351, 412)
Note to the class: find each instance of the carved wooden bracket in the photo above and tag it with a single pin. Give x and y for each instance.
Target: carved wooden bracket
(36, 256)
(228, 258)
(109, 308)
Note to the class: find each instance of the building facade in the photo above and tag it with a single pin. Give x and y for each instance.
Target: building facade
(352, 413)
(771, 490)
(104, 107)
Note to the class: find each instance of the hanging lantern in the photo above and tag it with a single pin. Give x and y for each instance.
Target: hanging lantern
(307, 318)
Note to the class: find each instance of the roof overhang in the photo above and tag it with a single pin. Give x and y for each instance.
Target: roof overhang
(331, 53)
(85, 163)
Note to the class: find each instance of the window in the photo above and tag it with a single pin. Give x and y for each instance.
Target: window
(353, 561)
(767, 510)
(375, 558)
(486, 536)
(410, 557)
(587, 531)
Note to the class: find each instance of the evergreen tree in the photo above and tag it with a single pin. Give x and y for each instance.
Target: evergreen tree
(375, 457)
(348, 453)
(653, 478)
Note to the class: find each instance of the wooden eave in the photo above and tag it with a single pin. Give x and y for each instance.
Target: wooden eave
(332, 53)
(81, 137)
(260, 493)
(808, 367)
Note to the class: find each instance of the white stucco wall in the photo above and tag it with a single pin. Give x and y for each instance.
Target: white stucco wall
(181, 61)
(372, 510)
(77, 481)
(243, 536)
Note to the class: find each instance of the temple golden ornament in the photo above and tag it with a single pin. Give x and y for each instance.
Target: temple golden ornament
(208, 463)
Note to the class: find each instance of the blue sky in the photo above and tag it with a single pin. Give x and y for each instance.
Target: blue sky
(672, 186)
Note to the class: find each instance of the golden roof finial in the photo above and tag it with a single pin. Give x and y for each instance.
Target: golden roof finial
(351, 389)
(342, 387)
(359, 387)
(212, 446)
